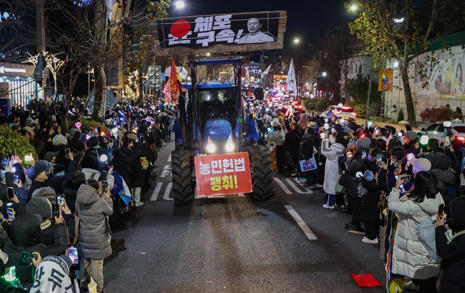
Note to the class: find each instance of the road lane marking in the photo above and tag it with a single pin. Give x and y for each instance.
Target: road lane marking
(310, 235)
(156, 191)
(169, 158)
(283, 187)
(166, 196)
(166, 171)
(289, 181)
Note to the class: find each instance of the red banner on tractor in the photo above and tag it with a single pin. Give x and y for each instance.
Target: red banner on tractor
(223, 174)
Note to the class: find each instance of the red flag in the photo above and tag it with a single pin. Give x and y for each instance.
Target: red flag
(174, 77)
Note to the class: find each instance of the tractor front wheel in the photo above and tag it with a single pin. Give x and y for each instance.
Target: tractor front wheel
(260, 167)
(183, 191)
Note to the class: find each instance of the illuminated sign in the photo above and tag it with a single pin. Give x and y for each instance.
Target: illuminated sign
(12, 70)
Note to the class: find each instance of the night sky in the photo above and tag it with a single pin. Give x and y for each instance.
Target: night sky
(305, 19)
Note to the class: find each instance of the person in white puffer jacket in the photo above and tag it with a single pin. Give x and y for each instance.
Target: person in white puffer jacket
(410, 257)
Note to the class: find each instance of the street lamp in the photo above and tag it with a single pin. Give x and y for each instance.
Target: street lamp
(323, 74)
(353, 7)
(180, 4)
(296, 41)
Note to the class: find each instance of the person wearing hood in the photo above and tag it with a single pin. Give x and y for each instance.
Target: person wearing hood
(410, 257)
(446, 177)
(277, 138)
(332, 155)
(94, 207)
(452, 253)
(92, 169)
(41, 204)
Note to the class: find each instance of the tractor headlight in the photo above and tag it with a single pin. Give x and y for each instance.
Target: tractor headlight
(230, 144)
(210, 146)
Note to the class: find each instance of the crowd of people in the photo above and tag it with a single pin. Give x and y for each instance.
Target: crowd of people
(58, 212)
(404, 192)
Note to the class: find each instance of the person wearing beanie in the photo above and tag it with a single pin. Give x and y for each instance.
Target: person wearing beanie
(452, 280)
(51, 233)
(411, 144)
(409, 255)
(52, 275)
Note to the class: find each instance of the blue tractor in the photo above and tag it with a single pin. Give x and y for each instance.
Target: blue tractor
(213, 121)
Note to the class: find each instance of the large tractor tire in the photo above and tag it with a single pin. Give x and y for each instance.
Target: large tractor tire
(183, 191)
(260, 167)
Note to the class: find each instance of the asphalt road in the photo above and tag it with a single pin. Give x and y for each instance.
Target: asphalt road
(233, 244)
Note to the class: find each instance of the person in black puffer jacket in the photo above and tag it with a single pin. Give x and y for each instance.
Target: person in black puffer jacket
(351, 167)
(309, 142)
(70, 188)
(446, 177)
(291, 148)
(368, 212)
(25, 236)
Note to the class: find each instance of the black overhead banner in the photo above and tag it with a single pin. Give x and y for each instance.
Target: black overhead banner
(228, 29)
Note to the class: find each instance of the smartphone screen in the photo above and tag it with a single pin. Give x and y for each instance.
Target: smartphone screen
(61, 201)
(56, 210)
(104, 185)
(68, 151)
(11, 193)
(6, 162)
(11, 214)
(407, 179)
(16, 179)
(28, 257)
(379, 158)
(441, 210)
(73, 254)
(28, 159)
(364, 155)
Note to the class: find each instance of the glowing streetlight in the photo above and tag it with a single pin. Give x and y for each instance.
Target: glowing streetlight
(353, 7)
(179, 4)
(324, 74)
(208, 54)
(296, 41)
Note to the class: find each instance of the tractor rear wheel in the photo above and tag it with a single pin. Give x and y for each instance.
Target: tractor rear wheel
(183, 191)
(260, 167)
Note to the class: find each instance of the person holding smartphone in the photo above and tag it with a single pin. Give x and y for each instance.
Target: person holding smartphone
(409, 256)
(453, 252)
(94, 207)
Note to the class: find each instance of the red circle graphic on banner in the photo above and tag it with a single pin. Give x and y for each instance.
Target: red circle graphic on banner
(180, 28)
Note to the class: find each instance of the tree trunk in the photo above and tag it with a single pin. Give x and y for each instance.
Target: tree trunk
(141, 90)
(368, 98)
(100, 36)
(100, 99)
(408, 95)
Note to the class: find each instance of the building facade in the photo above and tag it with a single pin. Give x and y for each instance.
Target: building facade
(18, 85)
